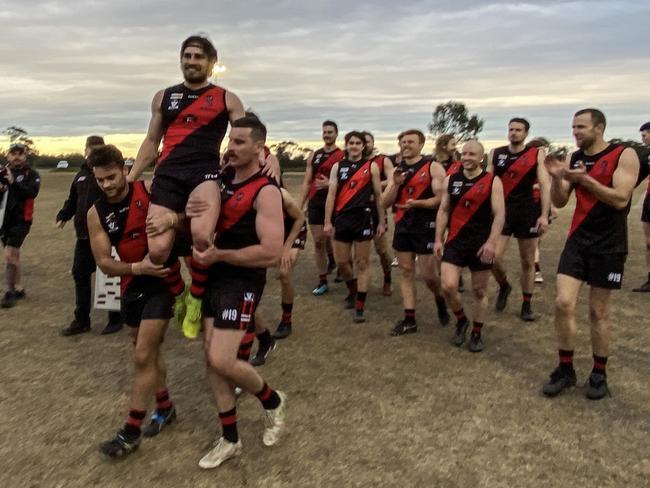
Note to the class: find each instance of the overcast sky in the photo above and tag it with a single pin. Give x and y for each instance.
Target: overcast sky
(78, 67)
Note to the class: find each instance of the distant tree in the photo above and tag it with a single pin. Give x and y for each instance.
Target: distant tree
(290, 155)
(453, 118)
(18, 135)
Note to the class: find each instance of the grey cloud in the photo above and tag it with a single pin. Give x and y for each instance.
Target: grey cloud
(375, 65)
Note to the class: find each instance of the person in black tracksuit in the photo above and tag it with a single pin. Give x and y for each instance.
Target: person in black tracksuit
(19, 186)
(83, 194)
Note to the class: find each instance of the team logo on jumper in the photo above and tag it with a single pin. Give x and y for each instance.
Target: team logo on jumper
(20, 178)
(456, 187)
(580, 162)
(173, 105)
(502, 159)
(111, 222)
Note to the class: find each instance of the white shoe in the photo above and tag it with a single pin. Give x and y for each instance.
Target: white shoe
(275, 420)
(221, 451)
(395, 262)
(538, 277)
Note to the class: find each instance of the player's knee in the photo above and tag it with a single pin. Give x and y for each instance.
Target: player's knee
(345, 268)
(158, 253)
(597, 314)
(143, 357)
(449, 287)
(564, 305)
(480, 292)
(406, 266)
(222, 365)
(12, 255)
(361, 263)
(426, 274)
(201, 240)
(284, 275)
(528, 262)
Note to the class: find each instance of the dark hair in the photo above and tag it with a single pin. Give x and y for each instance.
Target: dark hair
(201, 42)
(415, 132)
(331, 123)
(258, 129)
(597, 117)
(520, 120)
(359, 135)
(645, 126)
(94, 141)
(537, 143)
(103, 156)
(368, 133)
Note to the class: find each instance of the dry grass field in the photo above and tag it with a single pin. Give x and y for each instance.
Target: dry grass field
(365, 409)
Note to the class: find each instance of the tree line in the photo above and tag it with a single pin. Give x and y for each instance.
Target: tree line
(451, 117)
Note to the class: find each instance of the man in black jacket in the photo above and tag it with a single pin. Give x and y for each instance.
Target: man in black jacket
(83, 194)
(19, 185)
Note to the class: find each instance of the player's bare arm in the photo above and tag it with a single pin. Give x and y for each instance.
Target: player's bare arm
(544, 181)
(490, 162)
(293, 210)
(442, 217)
(331, 199)
(624, 180)
(148, 152)
(376, 188)
(270, 231)
(235, 106)
(101, 247)
(306, 182)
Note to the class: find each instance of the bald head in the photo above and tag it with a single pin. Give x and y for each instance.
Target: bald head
(472, 155)
(474, 146)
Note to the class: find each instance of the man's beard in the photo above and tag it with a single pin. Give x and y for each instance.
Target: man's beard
(516, 142)
(195, 76)
(586, 142)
